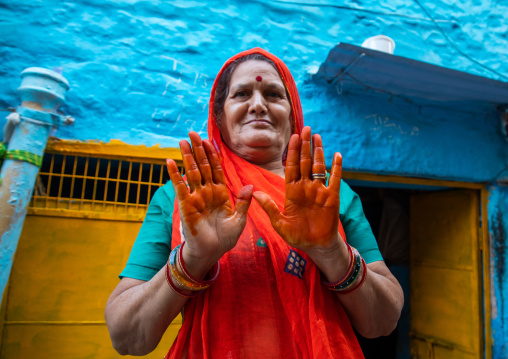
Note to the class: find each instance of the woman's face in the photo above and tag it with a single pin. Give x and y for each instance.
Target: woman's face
(256, 123)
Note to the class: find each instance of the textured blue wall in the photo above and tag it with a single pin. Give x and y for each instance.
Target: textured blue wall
(141, 72)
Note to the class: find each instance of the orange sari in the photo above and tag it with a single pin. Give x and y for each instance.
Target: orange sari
(268, 301)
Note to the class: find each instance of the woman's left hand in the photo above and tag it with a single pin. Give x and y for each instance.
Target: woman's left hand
(310, 222)
(311, 210)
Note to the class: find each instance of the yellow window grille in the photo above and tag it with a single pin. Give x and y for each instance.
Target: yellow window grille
(96, 186)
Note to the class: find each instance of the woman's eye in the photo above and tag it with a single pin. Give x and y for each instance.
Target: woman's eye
(274, 94)
(241, 94)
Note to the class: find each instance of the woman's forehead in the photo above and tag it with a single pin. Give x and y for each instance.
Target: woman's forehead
(252, 70)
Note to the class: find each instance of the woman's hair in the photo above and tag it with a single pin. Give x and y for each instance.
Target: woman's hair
(222, 90)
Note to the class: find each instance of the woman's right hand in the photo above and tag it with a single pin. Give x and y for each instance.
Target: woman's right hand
(210, 225)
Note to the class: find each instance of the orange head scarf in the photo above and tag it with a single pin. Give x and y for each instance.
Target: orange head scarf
(312, 320)
(287, 79)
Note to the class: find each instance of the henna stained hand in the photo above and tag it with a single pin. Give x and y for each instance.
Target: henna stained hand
(211, 225)
(311, 209)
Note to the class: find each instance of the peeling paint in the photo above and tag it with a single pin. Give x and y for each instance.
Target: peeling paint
(499, 247)
(40, 90)
(498, 223)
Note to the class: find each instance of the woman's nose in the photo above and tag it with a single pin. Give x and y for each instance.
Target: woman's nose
(258, 103)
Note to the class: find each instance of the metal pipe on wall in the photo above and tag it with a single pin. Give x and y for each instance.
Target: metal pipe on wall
(42, 93)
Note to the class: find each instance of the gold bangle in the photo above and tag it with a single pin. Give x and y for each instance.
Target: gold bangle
(180, 278)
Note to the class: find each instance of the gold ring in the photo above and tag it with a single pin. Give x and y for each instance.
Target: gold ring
(318, 176)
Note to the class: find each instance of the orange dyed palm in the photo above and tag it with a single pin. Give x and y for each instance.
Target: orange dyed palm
(311, 209)
(311, 215)
(210, 224)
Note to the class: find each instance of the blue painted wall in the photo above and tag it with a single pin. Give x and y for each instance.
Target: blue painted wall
(141, 72)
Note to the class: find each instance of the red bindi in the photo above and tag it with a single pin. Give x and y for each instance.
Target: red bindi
(259, 78)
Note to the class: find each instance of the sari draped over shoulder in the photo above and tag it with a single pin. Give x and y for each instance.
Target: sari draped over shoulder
(268, 301)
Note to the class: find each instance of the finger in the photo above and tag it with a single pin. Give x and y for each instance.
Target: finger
(201, 158)
(318, 158)
(191, 168)
(336, 173)
(242, 203)
(305, 153)
(176, 179)
(270, 207)
(213, 158)
(293, 159)
(313, 147)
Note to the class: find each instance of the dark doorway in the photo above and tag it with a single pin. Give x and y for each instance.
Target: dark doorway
(387, 211)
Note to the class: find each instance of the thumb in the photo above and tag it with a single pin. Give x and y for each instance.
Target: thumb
(243, 200)
(270, 207)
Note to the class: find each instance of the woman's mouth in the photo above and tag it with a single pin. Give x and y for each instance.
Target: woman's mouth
(259, 122)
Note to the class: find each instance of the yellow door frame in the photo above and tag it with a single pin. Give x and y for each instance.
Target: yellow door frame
(483, 234)
(114, 149)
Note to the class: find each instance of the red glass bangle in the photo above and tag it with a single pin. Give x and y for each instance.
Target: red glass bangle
(352, 279)
(364, 276)
(183, 282)
(174, 287)
(348, 272)
(213, 273)
(176, 273)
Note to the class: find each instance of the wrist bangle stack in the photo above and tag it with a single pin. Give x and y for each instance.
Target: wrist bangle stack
(349, 283)
(181, 281)
(354, 288)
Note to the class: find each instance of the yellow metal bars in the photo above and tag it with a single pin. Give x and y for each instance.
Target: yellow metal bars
(77, 183)
(117, 187)
(97, 165)
(73, 180)
(83, 185)
(104, 197)
(49, 181)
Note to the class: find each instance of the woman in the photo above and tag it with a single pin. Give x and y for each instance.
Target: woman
(289, 285)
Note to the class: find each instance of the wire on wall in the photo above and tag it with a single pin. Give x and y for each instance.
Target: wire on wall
(429, 18)
(342, 7)
(456, 47)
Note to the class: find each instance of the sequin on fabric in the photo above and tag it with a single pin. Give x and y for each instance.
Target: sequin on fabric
(261, 243)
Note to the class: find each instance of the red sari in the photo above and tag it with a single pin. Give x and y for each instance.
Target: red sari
(268, 301)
